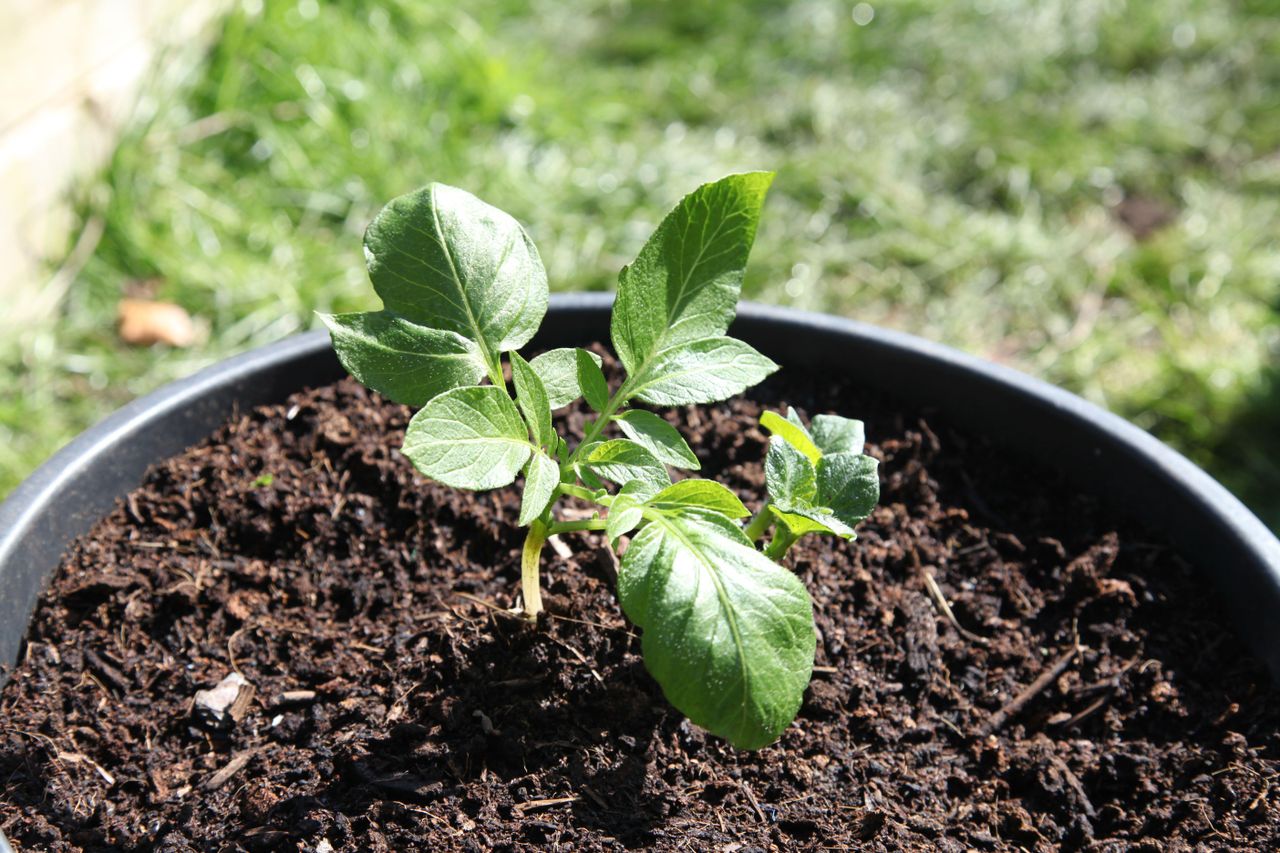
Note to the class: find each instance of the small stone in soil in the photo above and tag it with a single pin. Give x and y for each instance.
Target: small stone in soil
(221, 707)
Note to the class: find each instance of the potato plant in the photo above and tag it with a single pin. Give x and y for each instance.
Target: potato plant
(728, 633)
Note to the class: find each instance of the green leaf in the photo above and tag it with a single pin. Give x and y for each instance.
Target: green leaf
(706, 494)
(789, 475)
(660, 437)
(558, 369)
(791, 430)
(728, 634)
(834, 434)
(624, 462)
(591, 381)
(469, 438)
(684, 285)
(400, 360)
(541, 476)
(625, 513)
(443, 258)
(588, 477)
(849, 483)
(532, 397)
(702, 371)
(802, 520)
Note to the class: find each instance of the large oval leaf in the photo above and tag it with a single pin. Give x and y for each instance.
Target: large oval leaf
(400, 360)
(660, 437)
(558, 369)
(684, 284)
(707, 494)
(728, 634)
(702, 371)
(443, 258)
(628, 464)
(469, 438)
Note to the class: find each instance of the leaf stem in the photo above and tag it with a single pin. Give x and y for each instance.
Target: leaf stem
(577, 491)
(782, 540)
(597, 426)
(574, 526)
(529, 579)
(494, 368)
(759, 522)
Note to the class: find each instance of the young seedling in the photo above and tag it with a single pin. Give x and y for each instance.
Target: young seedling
(727, 632)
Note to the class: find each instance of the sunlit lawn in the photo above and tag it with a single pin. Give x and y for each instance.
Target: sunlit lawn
(958, 170)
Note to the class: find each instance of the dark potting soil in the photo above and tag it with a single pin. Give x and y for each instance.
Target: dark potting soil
(1083, 690)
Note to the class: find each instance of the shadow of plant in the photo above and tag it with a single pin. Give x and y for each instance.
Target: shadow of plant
(518, 725)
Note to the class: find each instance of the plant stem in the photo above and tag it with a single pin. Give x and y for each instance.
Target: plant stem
(529, 580)
(759, 522)
(576, 491)
(782, 540)
(574, 526)
(597, 426)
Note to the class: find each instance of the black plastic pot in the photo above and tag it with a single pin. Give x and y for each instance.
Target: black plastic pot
(1102, 453)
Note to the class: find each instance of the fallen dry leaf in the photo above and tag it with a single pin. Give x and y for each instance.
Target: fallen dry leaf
(144, 322)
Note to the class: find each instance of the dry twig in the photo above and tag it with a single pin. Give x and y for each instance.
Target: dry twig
(1043, 680)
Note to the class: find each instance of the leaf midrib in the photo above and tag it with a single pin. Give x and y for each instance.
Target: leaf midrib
(647, 382)
(462, 288)
(730, 614)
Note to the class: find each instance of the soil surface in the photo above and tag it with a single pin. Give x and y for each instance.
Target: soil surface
(1084, 691)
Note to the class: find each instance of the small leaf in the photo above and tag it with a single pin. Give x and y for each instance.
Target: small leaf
(588, 477)
(849, 483)
(400, 360)
(789, 475)
(558, 369)
(469, 438)
(624, 514)
(532, 398)
(444, 259)
(541, 476)
(706, 494)
(728, 634)
(591, 381)
(703, 371)
(660, 437)
(794, 433)
(834, 434)
(684, 284)
(625, 462)
(802, 520)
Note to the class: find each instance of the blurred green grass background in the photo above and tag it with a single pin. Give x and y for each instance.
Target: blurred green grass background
(1088, 190)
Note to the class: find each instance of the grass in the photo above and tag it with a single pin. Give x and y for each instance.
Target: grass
(951, 169)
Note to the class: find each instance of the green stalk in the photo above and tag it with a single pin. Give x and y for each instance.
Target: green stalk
(576, 491)
(597, 426)
(759, 522)
(782, 540)
(575, 526)
(529, 579)
(495, 373)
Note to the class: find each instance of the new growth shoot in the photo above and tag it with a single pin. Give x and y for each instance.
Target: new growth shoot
(727, 632)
